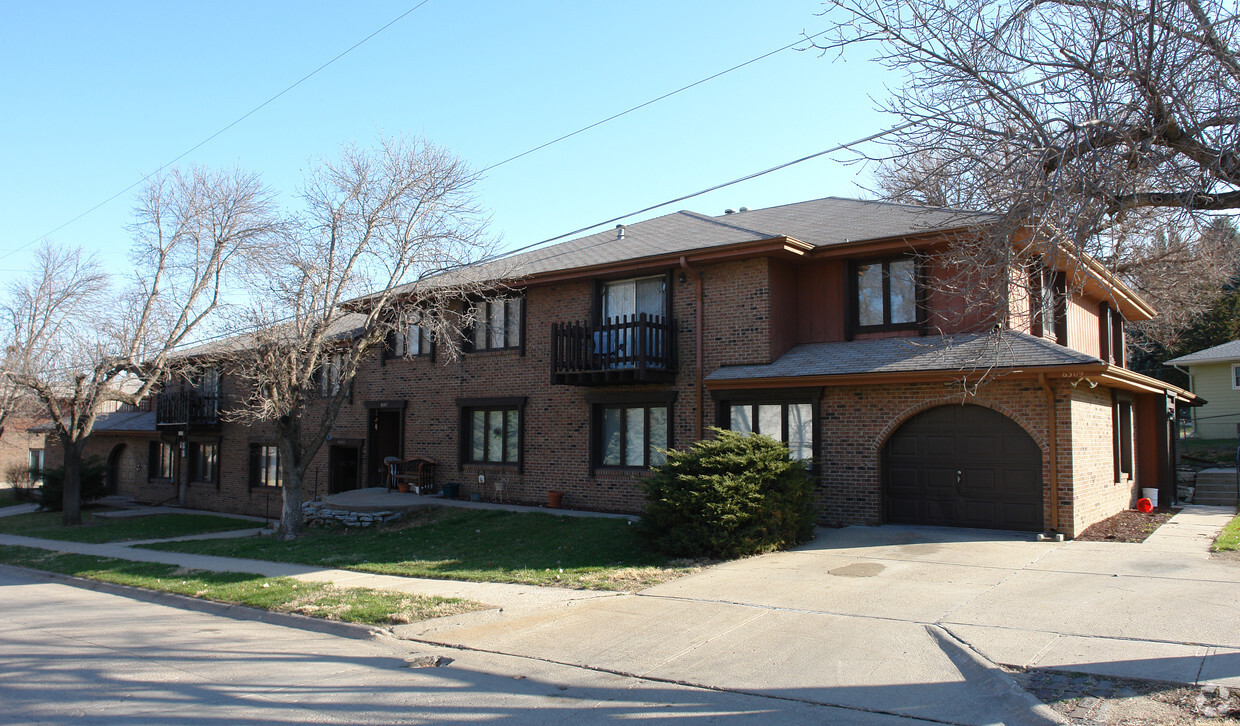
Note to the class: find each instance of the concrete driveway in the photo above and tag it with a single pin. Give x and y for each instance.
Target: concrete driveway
(907, 621)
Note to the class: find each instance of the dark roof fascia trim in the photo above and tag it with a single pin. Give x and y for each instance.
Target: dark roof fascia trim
(885, 245)
(844, 379)
(1141, 383)
(759, 248)
(1107, 374)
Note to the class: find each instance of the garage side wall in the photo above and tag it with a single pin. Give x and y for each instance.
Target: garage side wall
(857, 420)
(1087, 482)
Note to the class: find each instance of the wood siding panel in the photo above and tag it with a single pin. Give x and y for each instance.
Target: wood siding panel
(1083, 325)
(822, 297)
(784, 307)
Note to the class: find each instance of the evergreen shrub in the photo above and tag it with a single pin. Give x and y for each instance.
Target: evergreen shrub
(727, 497)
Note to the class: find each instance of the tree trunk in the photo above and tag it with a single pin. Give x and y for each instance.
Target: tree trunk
(71, 501)
(288, 439)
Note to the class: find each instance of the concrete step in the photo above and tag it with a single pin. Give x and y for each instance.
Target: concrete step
(1211, 476)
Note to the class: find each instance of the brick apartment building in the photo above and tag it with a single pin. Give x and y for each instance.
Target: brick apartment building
(812, 322)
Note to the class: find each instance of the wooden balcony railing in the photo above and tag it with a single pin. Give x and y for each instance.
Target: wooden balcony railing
(629, 349)
(186, 408)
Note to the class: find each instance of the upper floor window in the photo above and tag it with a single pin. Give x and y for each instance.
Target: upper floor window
(1049, 296)
(331, 374)
(886, 293)
(208, 382)
(624, 300)
(497, 324)
(413, 340)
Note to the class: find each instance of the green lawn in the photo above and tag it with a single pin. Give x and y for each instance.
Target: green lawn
(1218, 451)
(278, 594)
(1229, 539)
(104, 529)
(486, 546)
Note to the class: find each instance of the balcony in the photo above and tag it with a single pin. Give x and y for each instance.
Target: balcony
(187, 408)
(641, 349)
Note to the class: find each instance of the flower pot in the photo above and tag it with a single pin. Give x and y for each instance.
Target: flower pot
(402, 488)
(555, 499)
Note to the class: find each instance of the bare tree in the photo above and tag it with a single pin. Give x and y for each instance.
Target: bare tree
(80, 340)
(386, 220)
(1086, 125)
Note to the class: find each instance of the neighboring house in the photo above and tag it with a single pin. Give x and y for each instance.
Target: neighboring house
(815, 323)
(1214, 374)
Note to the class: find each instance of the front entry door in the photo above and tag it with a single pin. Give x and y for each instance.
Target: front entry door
(385, 438)
(342, 468)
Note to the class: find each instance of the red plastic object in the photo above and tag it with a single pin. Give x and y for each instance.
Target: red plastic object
(1144, 506)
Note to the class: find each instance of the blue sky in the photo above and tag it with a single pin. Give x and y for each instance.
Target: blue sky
(97, 95)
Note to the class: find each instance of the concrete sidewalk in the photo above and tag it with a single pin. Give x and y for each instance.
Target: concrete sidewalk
(905, 621)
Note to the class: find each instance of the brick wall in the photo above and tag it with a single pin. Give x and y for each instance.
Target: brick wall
(1090, 491)
(557, 417)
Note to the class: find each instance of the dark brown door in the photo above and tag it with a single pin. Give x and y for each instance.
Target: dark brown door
(963, 466)
(343, 465)
(384, 442)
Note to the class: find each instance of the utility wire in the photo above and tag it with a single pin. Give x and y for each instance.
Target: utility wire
(707, 190)
(653, 100)
(212, 137)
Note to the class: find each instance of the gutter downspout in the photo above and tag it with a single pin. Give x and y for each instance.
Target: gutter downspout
(1052, 449)
(699, 335)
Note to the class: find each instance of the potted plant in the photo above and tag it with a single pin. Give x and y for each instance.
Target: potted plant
(555, 499)
(402, 487)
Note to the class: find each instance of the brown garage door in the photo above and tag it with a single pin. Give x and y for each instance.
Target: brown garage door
(963, 466)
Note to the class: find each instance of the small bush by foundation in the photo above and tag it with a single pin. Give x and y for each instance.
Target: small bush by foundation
(726, 497)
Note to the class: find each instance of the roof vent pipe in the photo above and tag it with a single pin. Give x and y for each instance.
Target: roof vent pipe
(619, 231)
(729, 211)
(744, 209)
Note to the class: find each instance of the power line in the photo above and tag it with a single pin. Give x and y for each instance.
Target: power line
(212, 137)
(707, 190)
(654, 100)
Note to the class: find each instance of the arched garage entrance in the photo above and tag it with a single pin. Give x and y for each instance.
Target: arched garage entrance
(962, 466)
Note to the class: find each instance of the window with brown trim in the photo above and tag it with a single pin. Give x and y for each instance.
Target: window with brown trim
(786, 415)
(630, 430)
(1048, 295)
(266, 469)
(497, 324)
(886, 294)
(204, 462)
(1123, 438)
(492, 431)
(161, 461)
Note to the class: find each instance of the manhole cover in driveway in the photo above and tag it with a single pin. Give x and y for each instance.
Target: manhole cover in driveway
(858, 569)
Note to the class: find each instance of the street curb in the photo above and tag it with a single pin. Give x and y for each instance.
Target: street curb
(1020, 706)
(338, 628)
